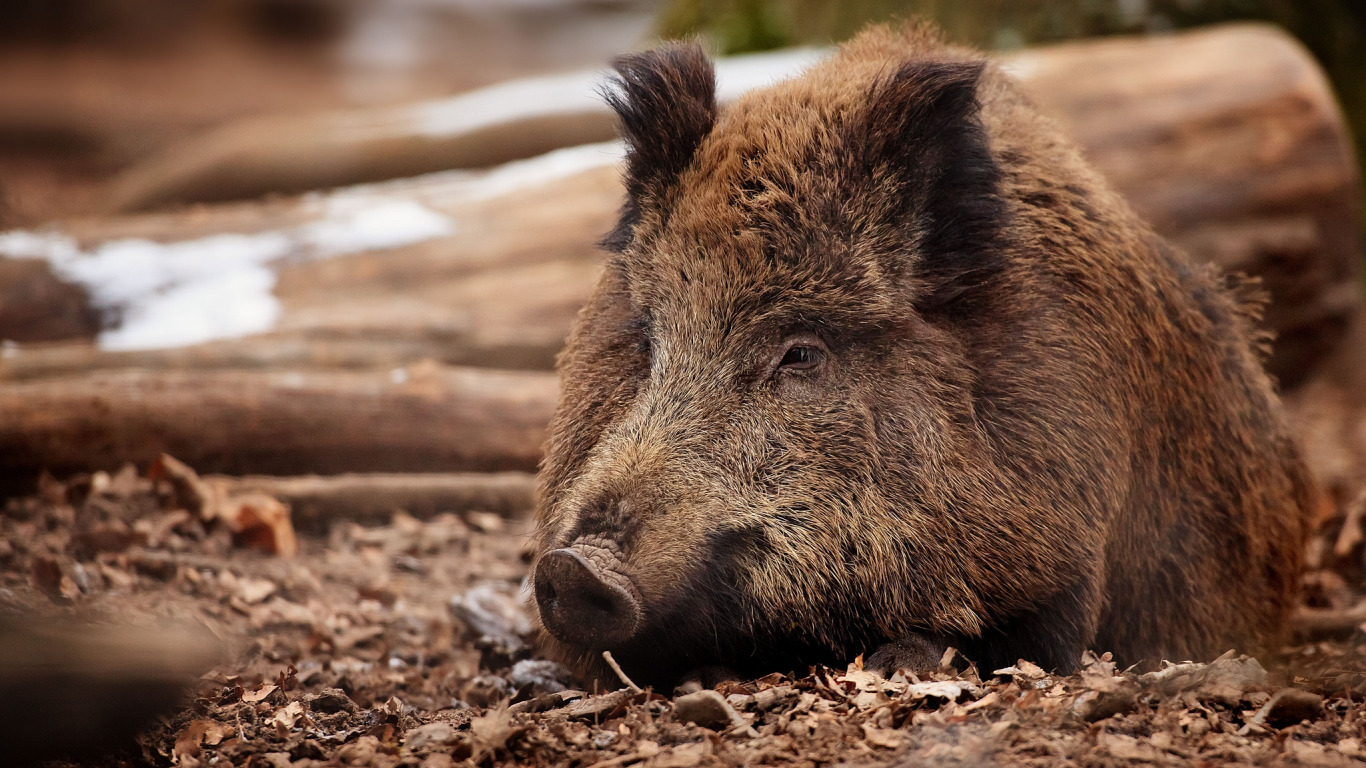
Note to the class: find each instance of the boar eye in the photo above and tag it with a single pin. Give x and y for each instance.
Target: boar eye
(801, 354)
(799, 358)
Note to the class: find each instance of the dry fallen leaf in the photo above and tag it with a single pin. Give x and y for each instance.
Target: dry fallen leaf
(887, 738)
(199, 733)
(286, 717)
(252, 697)
(681, 756)
(256, 519)
(252, 591)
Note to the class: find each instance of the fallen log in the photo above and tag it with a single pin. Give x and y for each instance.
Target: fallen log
(482, 128)
(420, 418)
(465, 268)
(283, 351)
(36, 305)
(317, 501)
(1231, 143)
(1228, 139)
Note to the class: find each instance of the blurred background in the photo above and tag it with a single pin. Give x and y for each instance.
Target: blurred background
(288, 236)
(326, 251)
(1333, 30)
(90, 87)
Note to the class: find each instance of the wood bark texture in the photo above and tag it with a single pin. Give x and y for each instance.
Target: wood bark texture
(422, 418)
(1228, 140)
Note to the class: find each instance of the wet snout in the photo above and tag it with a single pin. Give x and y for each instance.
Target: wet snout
(584, 598)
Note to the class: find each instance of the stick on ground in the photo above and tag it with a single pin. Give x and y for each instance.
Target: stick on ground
(611, 662)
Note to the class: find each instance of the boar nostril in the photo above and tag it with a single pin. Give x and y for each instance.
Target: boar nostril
(582, 604)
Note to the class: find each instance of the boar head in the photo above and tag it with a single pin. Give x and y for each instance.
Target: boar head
(768, 451)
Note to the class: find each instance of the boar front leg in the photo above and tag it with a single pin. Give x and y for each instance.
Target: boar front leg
(915, 651)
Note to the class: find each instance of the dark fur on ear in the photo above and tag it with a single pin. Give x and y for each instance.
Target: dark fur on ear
(924, 131)
(665, 100)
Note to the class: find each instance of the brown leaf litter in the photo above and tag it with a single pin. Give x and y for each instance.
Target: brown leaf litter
(406, 645)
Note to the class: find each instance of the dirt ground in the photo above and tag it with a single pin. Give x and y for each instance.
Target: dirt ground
(404, 645)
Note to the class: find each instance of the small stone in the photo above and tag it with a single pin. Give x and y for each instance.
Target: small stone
(330, 701)
(1095, 705)
(708, 709)
(431, 734)
(771, 698)
(486, 690)
(1292, 705)
(492, 609)
(544, 676)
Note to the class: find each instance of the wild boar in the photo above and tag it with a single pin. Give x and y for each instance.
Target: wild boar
(877, 365)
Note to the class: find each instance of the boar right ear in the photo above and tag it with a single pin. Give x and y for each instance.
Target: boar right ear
(924, 124)
(665, 100)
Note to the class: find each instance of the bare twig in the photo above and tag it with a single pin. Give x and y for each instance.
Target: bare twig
(611, 662)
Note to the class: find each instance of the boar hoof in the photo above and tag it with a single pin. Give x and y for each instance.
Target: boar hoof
(583, 604)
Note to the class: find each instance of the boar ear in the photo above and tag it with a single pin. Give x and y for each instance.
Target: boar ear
(924, 131)
(665, 100)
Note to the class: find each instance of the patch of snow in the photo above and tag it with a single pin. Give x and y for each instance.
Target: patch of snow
(354, 224)
(579, 92)
(161, 295)
(737, 74)
(1021, 65)
(508, 102)
(19, 244)
(533, 171)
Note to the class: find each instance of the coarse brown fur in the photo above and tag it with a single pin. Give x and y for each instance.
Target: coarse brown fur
(1033, 428)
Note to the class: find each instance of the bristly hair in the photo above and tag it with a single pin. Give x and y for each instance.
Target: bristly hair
(665, 100)
(924, 123)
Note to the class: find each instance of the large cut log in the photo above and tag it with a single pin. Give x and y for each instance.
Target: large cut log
(482, 268)
(1230, 143)
(1227, 139)
(508, 121)
(420, 418)
(318, 501)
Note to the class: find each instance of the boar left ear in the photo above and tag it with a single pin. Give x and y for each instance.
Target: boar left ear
(665, 100)
(924, 135)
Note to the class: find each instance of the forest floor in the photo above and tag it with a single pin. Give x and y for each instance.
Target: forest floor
(405, 645)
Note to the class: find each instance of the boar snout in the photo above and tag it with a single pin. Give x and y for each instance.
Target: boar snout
(584, 598)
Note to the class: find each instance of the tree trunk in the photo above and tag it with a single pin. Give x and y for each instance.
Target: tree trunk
(1227, 139)
(421, 418)
(371, 498)
(1230, 142)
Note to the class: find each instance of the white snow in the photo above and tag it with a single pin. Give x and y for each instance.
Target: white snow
(737, 74)
(507, 102)
(1021, 65)
(579, 92)
(559, 164)
(160, 295)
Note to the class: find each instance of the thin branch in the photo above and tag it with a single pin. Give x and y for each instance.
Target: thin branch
(611, 662)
